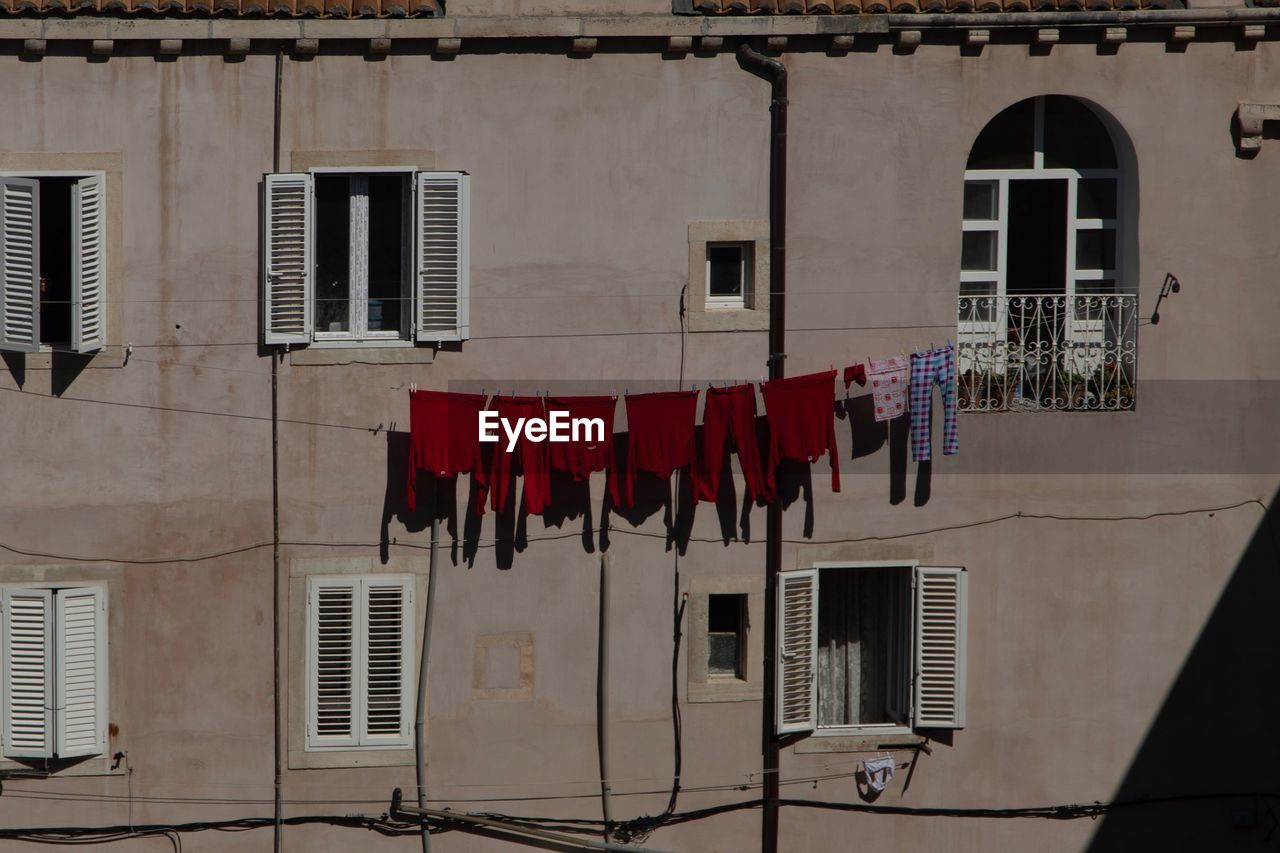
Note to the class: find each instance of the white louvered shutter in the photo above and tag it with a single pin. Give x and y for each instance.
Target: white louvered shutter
(88, 264)
(941, 604)
(388, 657)
(287, 270)
(332, 614)
(80, 655)
(442, 257)
(797, 687)
(20, 253)
(28, 672)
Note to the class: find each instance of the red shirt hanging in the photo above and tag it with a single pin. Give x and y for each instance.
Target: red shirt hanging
(444, 439)
(659, 437)
(802, 422)
(532, 456)
(579, 458)
(729, 412)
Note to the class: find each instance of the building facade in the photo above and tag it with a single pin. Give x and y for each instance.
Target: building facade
(250, 232)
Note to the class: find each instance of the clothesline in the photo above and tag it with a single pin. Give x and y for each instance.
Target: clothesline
(446, 426)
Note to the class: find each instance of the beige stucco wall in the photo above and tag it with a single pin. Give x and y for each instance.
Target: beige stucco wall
(586, 175)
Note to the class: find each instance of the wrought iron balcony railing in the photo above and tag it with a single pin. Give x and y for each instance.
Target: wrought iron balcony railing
(1047, 352)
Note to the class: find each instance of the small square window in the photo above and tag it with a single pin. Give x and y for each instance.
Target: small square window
(728, 274)
(726, 632)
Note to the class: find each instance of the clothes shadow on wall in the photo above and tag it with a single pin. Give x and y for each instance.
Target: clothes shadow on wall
(1182, 791)
(867, 437)
(795, 483)
(437, 497)
(673, 498)
(570, 500)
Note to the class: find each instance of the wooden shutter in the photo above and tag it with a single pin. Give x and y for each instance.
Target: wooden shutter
(88, 264)
(388, 658)
(20, 255)
(80, 644)
(287, 270)
(332, 611)
(941, 602)
(797, 685)
(441, 253)
(28, 672)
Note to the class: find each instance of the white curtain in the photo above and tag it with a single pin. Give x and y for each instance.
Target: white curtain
(860, 628)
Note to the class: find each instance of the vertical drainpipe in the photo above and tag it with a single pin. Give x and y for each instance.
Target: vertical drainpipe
(420, 715)
(278, 829)
(776, 73)
(602, 698)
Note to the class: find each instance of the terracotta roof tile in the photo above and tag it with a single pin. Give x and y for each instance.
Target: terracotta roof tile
(855, 7)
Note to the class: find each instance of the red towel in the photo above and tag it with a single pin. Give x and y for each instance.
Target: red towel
(802, 422)
(659, 437)
(580, 458)
(444, 438)
(532, 456)
(855, 373)
(729, 411)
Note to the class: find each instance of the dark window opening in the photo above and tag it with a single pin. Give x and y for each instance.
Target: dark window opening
(1037, 246)
(387, 216)
(55, 260)
(864, 666)
(726, 631)
(726, 271)
(1074, 136)
(333, 253)
(1008, 141)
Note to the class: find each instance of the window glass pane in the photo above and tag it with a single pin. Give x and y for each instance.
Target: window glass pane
(55, 260)
(332, 253)
(1096, 199)
(725, 277)
(980, 199)
(1008, 140)
(724, 612)
(978, 251)
(1074, 136)
(386, 251)
(722, 654)
(1096, 249)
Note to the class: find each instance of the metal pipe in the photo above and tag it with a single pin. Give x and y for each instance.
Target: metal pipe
(776, 73)
(420, 717)
(278, 734)
(602, 698)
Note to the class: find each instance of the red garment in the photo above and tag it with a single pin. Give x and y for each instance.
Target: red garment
(855, 373)
(580, 458)
(659, 437)
(532, 455)
(444, 438)
(729, 410)
(802, 422)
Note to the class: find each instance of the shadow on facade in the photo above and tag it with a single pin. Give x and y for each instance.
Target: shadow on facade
(1213, 746)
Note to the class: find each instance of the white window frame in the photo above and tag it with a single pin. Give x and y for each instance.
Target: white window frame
(746, 261)
(1076, 329)
(357, 247)
(55, 685)
(933, 654)
(359, 739)
(97, 340)
(908, 566)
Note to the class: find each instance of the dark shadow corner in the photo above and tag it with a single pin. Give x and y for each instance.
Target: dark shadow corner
(1182, 793)
(17, 364)
(66, 366)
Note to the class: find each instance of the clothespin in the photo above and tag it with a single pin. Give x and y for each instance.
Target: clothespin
(482, 391)
(615, 393)
(413, 386)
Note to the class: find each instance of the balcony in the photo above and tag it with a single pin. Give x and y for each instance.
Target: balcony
(1047, 352)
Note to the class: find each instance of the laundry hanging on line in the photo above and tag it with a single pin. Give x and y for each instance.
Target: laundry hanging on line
(660, 430)
(802, 422)
(532, 456)
(444, 439)
(729, 413)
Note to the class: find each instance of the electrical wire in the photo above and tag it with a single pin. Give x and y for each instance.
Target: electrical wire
(489, 543)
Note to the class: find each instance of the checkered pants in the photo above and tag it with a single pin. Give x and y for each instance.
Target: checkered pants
(927, 368)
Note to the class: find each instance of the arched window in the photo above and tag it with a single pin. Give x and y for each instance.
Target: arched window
(1048, 308)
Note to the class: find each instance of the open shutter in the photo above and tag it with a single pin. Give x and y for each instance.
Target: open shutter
(287, 273)
(442, 298)
(332, 614)
(388, 656)
(88, 264)
(80, 650)
(941, 602)
(28, 672)
(20, 255)
(797, 687)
